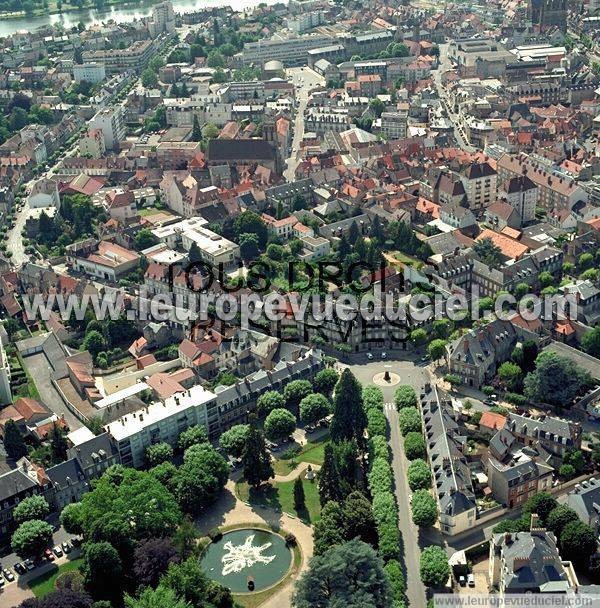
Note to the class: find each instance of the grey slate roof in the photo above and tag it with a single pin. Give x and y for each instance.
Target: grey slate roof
(14, 482)
(532, 561)
(444, 446)
(585, 501)
(245, 149)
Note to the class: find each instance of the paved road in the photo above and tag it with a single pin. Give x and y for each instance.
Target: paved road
(415, 590)
(445, 65)
(304, 79)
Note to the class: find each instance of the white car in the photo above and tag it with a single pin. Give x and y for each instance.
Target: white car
(369, 355)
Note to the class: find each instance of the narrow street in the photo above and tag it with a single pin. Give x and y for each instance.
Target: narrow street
(409, 548)
(445, 66)
(304, 79)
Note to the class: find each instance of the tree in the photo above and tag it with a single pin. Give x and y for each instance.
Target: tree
(94, 342)
(144, 239)
(200, 479)
(102, 570)
(434, 566)
(591, 342)
(436, 349)
(566, 471)
(358, 520)
(575, 459)
(295, 391)
(325, 381)
(158, 453)
(215, 59)
(161, 597)
(13, 441)
(134, 497)
(559, 517)
(419, 475)
(545, 278)
(578, 543)
(149, 78)
(249, 249)
(418, 336)
(31, 537)
(196, 131)
(409, 420)
(423, 508)
(279, 424)
(556, 380)
(488, 252)
(270, 401)
(192, 436)
(442, 328)
(191, 584)
(350, 574)
(349, 419)
(32, 507)
(328, 530)
(414, 446)
(233, 441)
(530, 351)
(70, 518)
(542, 504)
(405, 396)
(377, 106)
(249, 222)
(61, 598)
(299, 498)
(510, 375)
(256, 459)
(151, 560)
(313, 408)
(329, 480)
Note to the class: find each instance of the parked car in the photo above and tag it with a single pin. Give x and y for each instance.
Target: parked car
(8, 575)
(76, 541)
(20, 568)
(462, 581)
(57, 551)
(49, 555)
(29, 564)
(369, 355)
(384, 355)
(66, 546)
(470, 580)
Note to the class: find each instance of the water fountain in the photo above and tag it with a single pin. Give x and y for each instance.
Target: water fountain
(247, 560)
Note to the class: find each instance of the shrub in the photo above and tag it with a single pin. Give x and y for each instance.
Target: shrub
(405, 397)
(516, 399)
(419, 475)
(423, 508)
(389, 541)
(380, 476)
(372, 398)
(376, 423)
(410, 421)
(215, 535)
(414, 446)
(379, 447)
(393, 570)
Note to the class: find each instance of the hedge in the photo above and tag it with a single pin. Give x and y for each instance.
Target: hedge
(376, 422)
(384, 508)
(379, 448)
(516, 399)
(389, 541)
(380, 476)
(393, 571)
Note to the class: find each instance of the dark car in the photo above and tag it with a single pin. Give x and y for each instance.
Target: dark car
(76, 541)
(20, 568)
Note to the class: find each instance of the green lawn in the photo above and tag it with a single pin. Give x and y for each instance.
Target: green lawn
(280, 496)
(44, 584)
(312, 452)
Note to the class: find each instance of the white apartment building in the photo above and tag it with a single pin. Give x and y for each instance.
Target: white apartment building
(290, 51)
(162, 421)
(44, 193)
(306, 21)
(92, 144)
(93, 72)
(393, 124)
(214, 248)
(163, 19)
(111, 121)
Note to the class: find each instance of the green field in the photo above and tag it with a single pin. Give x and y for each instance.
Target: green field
(280, 496)
(311, 452)
(42, 585)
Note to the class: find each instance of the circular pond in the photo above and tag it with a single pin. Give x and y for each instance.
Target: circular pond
(259, 554)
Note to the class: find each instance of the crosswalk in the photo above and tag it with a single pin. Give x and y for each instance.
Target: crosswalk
(389, 407)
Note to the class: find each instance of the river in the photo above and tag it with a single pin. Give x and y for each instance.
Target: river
(135, 10)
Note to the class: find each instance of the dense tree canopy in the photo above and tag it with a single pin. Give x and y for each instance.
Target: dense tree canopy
(350, 574)
(31, 537)
(405, 396)
(32, 507)
(349, 420)
(233, 441)
(279, 424)
(434, 566)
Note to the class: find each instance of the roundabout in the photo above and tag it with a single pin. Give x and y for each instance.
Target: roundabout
(386, 378)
